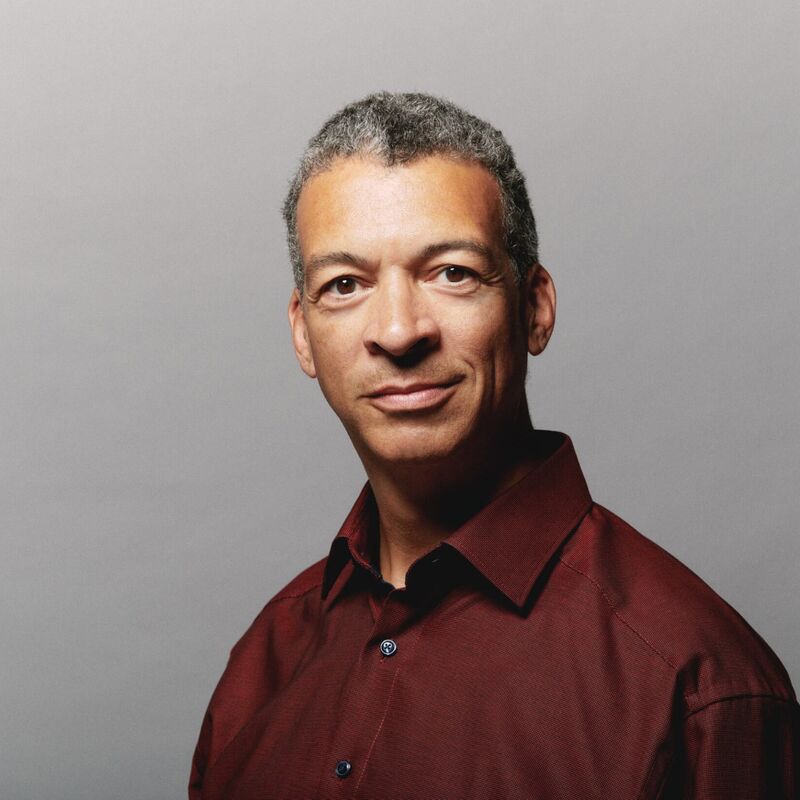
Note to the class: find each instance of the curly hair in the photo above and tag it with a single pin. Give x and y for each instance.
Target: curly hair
(398, 128)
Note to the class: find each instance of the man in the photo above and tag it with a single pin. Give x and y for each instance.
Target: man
(480, 628)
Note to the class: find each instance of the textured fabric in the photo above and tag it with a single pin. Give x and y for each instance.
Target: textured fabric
(543, 650)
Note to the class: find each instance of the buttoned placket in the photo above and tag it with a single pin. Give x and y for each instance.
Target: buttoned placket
(384, 661)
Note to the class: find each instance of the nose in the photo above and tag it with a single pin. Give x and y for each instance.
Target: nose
(400, 323)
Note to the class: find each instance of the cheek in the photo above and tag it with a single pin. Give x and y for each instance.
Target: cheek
(498, 357)
(487, 338)
(335, 353)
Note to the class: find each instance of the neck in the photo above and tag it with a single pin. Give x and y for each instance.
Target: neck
(421, 504)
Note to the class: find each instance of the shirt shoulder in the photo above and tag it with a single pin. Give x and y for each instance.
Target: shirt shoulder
(261, 661)
(280, 619)
(280, 622)
(714, 653)
(309, 579)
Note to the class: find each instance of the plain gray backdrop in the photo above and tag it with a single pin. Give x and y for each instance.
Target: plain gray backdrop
(166, 468)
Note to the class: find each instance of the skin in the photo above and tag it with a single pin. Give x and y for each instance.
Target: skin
(412, 322)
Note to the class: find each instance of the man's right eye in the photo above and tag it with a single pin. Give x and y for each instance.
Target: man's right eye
(342, 286)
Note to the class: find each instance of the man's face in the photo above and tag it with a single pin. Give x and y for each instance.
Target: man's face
(410, 317)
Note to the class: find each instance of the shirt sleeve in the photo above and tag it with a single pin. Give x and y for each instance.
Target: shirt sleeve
(741, 748)
(199, 759)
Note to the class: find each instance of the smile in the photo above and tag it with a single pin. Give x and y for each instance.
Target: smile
(414, 397)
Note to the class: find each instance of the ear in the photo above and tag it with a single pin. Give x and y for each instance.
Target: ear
(540, 308)
(302, 348)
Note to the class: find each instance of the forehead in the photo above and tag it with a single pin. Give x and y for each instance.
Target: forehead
(361, 203)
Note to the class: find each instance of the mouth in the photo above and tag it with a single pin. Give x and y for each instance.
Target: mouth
(413, 396)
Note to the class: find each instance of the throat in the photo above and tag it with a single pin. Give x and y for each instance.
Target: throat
(412, 521)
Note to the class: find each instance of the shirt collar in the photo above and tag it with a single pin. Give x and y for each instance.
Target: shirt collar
(509, 541)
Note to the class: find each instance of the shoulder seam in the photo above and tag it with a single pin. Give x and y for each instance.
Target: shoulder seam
(743, 696)
(618, 615)
(280, 596)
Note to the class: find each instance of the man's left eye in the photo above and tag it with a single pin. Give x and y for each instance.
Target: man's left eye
(455, 274)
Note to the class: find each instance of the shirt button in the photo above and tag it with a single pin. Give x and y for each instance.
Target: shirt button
(343, 768)
(388, 647)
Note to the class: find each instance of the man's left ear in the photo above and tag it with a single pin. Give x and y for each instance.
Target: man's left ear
(540, 308)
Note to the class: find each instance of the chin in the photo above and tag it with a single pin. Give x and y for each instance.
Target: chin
(422, 446)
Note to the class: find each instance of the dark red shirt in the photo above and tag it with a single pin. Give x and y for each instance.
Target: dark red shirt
(545, 649)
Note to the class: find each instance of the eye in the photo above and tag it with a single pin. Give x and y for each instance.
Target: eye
(453, 274)
(342, 286)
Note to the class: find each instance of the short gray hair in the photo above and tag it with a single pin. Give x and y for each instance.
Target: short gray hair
(397, 128)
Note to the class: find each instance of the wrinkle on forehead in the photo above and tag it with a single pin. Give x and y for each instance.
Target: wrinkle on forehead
(361, 201)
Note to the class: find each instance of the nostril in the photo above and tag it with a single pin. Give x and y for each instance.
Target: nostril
(416, 353)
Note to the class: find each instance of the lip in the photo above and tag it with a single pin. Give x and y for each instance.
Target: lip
(413, 397)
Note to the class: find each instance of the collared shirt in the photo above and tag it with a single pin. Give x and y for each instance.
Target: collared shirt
(545, 649)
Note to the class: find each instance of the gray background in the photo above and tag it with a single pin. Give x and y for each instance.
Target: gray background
(166, 468)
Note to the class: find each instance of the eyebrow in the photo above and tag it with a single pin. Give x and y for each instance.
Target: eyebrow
(339, 257)
(470, 245)
(332, 259)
